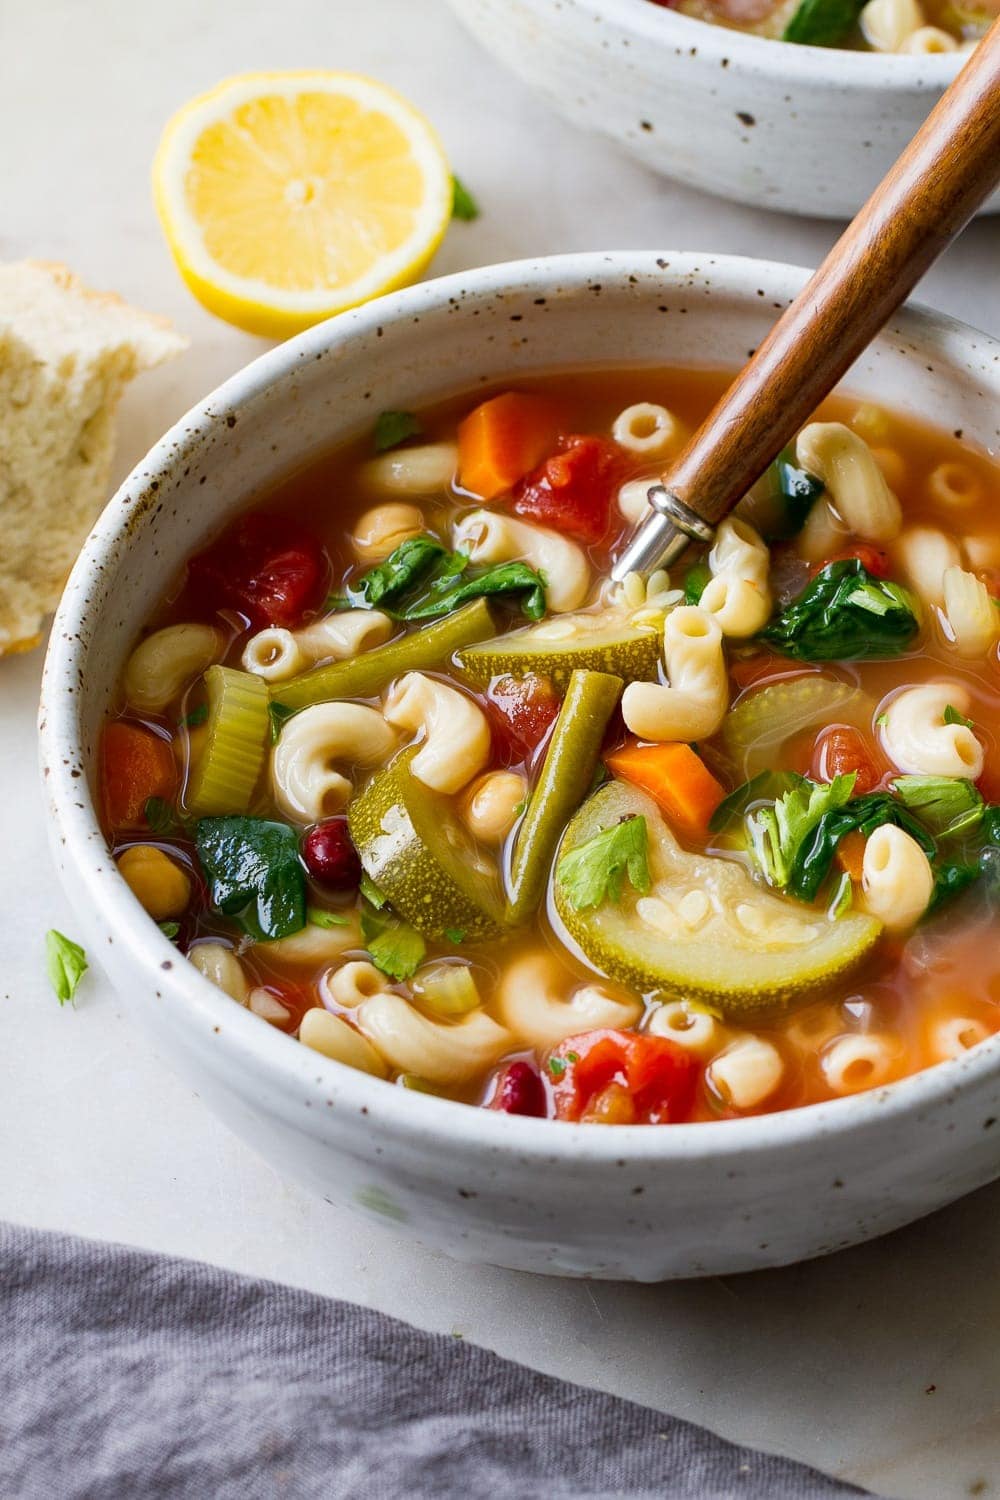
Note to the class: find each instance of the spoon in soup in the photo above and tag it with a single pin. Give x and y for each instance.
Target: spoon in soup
(929, 195)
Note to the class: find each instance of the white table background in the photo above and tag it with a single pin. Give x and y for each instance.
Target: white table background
(879, 1364)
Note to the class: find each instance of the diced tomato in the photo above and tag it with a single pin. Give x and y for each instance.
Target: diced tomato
(521, 710)
(573, 490)
(840, 750)
(874, 559)
(268, 567)
(135, 764)
(519, 1091)
(620, 1077)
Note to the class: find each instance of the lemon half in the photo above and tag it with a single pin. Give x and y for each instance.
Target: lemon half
(288, 197)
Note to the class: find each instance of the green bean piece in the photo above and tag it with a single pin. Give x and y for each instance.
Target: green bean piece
(366, 675)
(566, 778)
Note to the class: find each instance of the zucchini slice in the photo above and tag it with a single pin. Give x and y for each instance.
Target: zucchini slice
(570, 643)
(706, 931)
(413, 846)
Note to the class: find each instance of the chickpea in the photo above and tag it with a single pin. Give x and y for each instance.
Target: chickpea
(490, 806)
(155, 880)
(383, 528)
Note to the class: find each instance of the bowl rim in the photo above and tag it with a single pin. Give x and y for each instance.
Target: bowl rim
(926, 73)
(296, 1077)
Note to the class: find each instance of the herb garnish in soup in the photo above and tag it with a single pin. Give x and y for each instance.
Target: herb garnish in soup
(919, 27)
(400, 770)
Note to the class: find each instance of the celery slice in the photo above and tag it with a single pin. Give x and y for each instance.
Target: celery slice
(237, 739)
(432, 646)
(566, 778)
(449, 990)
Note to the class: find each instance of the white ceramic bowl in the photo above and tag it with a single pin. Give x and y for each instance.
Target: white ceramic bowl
(810, 130)
(644, 1203)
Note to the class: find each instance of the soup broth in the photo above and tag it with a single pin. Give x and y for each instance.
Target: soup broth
(401, 770)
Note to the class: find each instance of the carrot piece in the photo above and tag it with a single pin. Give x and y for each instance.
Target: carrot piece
(502, 439)
(676, 777)
(135, 764)
(851, 854)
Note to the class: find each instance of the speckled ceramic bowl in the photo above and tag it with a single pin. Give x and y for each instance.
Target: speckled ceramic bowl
(645, 1203)
(807, 129)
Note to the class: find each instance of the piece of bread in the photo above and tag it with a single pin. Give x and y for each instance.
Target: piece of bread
(66, 353)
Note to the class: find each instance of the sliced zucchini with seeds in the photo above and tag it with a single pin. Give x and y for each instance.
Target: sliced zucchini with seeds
(418, 853)
(706, 931)
(568, 644)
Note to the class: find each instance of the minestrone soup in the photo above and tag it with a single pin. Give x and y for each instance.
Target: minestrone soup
(400, 770)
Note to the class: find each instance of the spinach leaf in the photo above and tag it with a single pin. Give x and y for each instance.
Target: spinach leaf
(393, 428)
(255, 873)
(946, 805)
(815, 854)
(822, 23)
(951, 878)
(798, 491)
(514, 578)
(844, 614)
(696, 580)
(401, 571)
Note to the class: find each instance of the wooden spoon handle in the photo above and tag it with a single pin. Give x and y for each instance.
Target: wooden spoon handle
(948, 169)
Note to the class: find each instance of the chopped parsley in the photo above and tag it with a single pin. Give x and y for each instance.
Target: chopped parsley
(65, 963)
(279, 713)
(777, 832)
(317, 917)
(195, 717)
(952, 716)
(595, 871)
(394, 947)
(463, 205)
(393, 428)
(557, 1066)
(160, 816)
(169, 929)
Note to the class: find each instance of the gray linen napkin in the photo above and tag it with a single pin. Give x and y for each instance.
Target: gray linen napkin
(124, 1373)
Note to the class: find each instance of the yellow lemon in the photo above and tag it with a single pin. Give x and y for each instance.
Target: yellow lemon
(287, 197)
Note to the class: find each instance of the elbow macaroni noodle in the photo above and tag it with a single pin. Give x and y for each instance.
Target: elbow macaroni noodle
(854, 481)
(919, 742)
(444, 1052)
(530, 1007)
(456, 737)
(306, 783)
(276, 654)
(695, 703)
(167, 662)
(897, 879)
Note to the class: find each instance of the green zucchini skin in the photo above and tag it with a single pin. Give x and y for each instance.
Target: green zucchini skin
(413, 846)
(630, 652)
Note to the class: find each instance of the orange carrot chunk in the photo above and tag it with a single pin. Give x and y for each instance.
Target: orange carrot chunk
(135, 764)
(502, 439)
(851, 854)
(676, 777)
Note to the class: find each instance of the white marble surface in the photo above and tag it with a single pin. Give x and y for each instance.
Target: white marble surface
(879, 1364)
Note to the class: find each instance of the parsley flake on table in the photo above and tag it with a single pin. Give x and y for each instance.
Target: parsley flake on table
(65, 963)
(463, 204)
